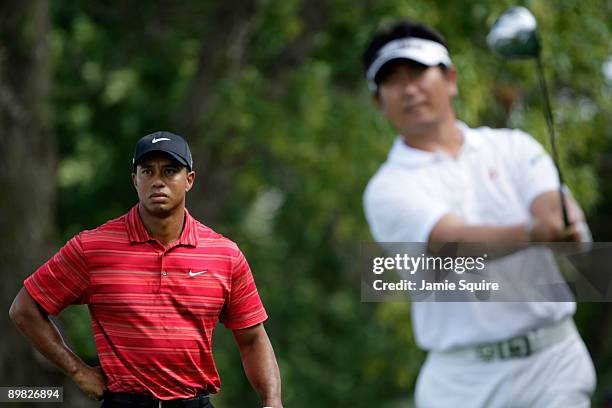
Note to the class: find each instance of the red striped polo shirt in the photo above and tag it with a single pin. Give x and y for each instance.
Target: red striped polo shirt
(153, 308)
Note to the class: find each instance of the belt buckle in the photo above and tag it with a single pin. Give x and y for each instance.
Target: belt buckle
(486, 352)
(516, 347)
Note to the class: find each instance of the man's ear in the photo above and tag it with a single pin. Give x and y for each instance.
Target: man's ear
(134, 182)
(380, 103)
(190, 179)
(451, 76)
(376, 99)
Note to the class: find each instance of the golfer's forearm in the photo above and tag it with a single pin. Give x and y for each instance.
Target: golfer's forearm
(260, 364)
(548, 204)
(42, 333)
(262, 371)
(451, 228)
(489, 234)
(496, 242)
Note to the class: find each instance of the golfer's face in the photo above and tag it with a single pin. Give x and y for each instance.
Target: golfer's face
(414, 96)
(161, 183)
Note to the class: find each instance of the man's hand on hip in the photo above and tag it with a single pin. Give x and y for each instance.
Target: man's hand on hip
(91, 381)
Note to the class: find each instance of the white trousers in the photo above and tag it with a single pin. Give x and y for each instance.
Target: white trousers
(559, 376)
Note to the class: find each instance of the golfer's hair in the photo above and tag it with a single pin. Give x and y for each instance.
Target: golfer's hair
(398, 29)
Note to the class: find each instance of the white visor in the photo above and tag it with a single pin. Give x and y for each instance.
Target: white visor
(426, 52)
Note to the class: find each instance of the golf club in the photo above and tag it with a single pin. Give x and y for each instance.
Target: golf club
(515, 36)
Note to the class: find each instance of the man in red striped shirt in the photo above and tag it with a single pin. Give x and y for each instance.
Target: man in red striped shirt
(156, 282)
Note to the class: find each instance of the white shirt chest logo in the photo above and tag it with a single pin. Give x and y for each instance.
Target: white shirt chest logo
(192, 274)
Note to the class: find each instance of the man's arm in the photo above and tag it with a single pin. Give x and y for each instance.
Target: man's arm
(260, 364)
(451, 228)
(34, 323)
(547, 225)
(548, 205)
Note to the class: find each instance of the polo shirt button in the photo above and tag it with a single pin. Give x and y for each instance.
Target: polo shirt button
(164, 273)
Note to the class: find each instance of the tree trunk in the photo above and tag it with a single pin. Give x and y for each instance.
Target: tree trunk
(27, 174)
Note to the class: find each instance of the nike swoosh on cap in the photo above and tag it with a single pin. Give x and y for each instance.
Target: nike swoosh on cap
(159, 140)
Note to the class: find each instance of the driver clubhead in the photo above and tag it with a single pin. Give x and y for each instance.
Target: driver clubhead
(514, 34)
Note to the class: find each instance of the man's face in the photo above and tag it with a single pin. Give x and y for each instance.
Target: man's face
(161, 183)
(414, 97)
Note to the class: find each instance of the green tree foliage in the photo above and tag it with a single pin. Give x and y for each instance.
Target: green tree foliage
(272, 98)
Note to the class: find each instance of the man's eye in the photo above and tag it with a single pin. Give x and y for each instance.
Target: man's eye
(418, 71)
(170, 171)
(393, 78)
(146, 171)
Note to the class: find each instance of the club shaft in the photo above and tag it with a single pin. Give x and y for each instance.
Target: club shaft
(552, 138)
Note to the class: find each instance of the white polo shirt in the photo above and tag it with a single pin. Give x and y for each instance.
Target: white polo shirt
(493, 181)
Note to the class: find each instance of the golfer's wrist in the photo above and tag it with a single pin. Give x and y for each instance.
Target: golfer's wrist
(75, 367)
(528, 229)
(272, 405)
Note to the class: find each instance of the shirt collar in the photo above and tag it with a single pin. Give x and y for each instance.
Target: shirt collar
(406, 155)
(138, 233)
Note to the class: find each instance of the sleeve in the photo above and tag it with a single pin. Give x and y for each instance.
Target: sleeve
(401, 214)
(243, 307)
(533, 170)
(63, 280)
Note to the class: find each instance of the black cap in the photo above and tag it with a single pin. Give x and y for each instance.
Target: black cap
(165, 142)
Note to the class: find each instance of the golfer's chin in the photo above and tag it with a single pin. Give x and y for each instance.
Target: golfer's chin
(159, 209)
(418, 124)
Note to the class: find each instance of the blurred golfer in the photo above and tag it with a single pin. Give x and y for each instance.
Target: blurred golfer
(446, 182)
(156, 282)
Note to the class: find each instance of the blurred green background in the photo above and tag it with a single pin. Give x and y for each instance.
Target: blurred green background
(271, 96)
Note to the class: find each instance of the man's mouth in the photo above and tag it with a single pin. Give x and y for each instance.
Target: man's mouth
(412, 106)
(158, 197)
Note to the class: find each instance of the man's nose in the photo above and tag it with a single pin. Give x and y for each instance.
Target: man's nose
(410, 86)
(157, 179)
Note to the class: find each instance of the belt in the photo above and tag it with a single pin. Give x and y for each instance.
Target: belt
(143, 400)
(519, 346)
